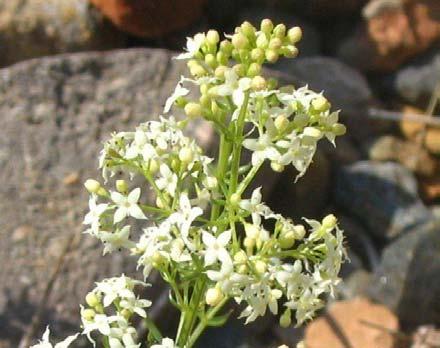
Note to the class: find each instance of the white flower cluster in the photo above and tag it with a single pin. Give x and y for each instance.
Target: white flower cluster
(45, 343)
(110, 307)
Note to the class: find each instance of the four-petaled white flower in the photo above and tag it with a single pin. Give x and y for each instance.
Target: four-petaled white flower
(215, 247)
(193, 45)
(167, 181)
(116, 240)
(234, 87)
(262, 148)
(127, 205)
(44, 343)
(94, 215)
(256, 207)
(179, 91)
(166, 343)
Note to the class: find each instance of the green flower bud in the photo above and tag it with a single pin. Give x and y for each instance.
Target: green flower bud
(260, 266)
(262, 41)
(181, 102)
(280, 31)
(92, 299)
(236, 55)
(339, 129)
(271, 56)
(301, 120)
(248, 29)
(254, 70)
(240, 69)
(289, 51)
(186, 155)
(281, 123)
(266, 26)
(320, 104)
(235, 199)
(275, 43)
(204, 88)
(287, 239)
(286, 318)
(220, 72)
(287, 89)
(197, 70)
(300, 231)
(191, 63)
(329, 221)
(257, 54)
(252, 231)
(277, 167)
(193, 110)
(212, 37)
(213, 297)
(210, 60)
(258, 83)
(88, 314)
(240, 257)
(294, 35)
(239, 41)
(153, 166)
(249, 243)
(226, 47)
(205, 101)
(272, 83)
(161, 202)
(121, 186)
(312, 132)
(92, 185)
(222, 58)
(126, 313)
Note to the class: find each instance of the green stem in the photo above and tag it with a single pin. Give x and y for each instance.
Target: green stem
(248, 179)
(222, 166)
(153, 329)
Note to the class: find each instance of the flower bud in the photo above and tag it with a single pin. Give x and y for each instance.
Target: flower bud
(289, 51)
(193, 110)
(240, 257)
(312, 132)
(239, 41)
(242, 269)
(287, 239)
(339, 129)
(262, 41)
(280, 31)
(271, 56)
(277, 167)
(126, 313)
(211, 182)
(258, 83)
(275, 43)
(235, 199)
(191, 63)
(220, 72)
(92, 185)
(301, 120)
(300, 231)
(254, 70)
(272, 83)
(212, 37)
(197, 70)
(320, 104)
(266, 26)
(226, 47)
(281, 123)
(222, 58)
(210, 60)
(252, 231)
(286, 318)
(257, 54)
(121, 186)
(186, 155)
(260, 266)
(92, 299)
(240, 69)
(213, 296)
(249, 243)
(161, 202)
(205, 101)
(329, 221)
(153, 166)
(294, 35)
(88, 314)
(248, 29)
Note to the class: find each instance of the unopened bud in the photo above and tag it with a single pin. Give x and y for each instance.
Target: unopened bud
(300, 231)
(92, 299)
(266, 26)
(320, 104)
(249, 243)
(126, 313)
(254, 70)
(211, 182)
(240, 257)
(329, 221)
(248, 29)
(277, 167)
(235, 199)
(186, 154)
(257, 54)
(210, 60)
(239, 41)
(294, 35)
(88, 314)
(301, 120)
(213, 296)
(339, 129)
(252, 231)
(271, 56)
(222, 58)
(226, 47)
(287, 239)
(281, 123)
(260, 266)
(212, 37)
(121, 186)
(193, 110)
(239, 69)
(286, 318)
(197, 70)
(275, 43)
(280, 31)
(262, 41)
(92, 185)
(312, 132)
(290, 51)
(258, 83)
(153, 166)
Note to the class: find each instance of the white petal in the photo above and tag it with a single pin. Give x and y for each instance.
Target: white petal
(137, 212)
(120, 215)
(134, 195)
(224, 238)
(117, 197)
(210, 257)
(208, 239)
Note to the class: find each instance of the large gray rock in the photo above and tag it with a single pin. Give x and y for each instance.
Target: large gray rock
(408, 279)
(383, 196)
(34, 28)
(55, 114)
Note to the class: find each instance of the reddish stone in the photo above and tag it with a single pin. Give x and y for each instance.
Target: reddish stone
(150, 18)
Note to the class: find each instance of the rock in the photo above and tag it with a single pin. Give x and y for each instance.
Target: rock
(408, 279)
(34, 28)
(426, 336)
(383, 196)
(355, 285)
(345, 151)
(323, 9)
(410, 129)
(410, 154)
(432, 140)
(393, 32)
(353, 323)
(345, 88)
(150, 18)
(415, 81)
(310, 44)
(84, 97)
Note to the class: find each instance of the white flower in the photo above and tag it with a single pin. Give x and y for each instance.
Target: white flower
(137, 146)
(227, 267)
(234, 87)
(215, 247)
(167, 181)
(127, 205)
(256, 207)
(116, 240)
(179, 91)
(46, 344)
(184, 217)
(262, 149)
(93, 216)
(166, 343)
(193, 46)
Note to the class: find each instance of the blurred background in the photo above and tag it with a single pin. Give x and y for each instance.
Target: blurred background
(75, 70)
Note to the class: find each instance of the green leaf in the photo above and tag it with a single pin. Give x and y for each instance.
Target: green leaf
(219, 320)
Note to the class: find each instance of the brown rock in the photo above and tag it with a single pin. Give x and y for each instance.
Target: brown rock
(432, 140)
(150, 18)
(356, 323)
(393, 32)
(408, 128)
